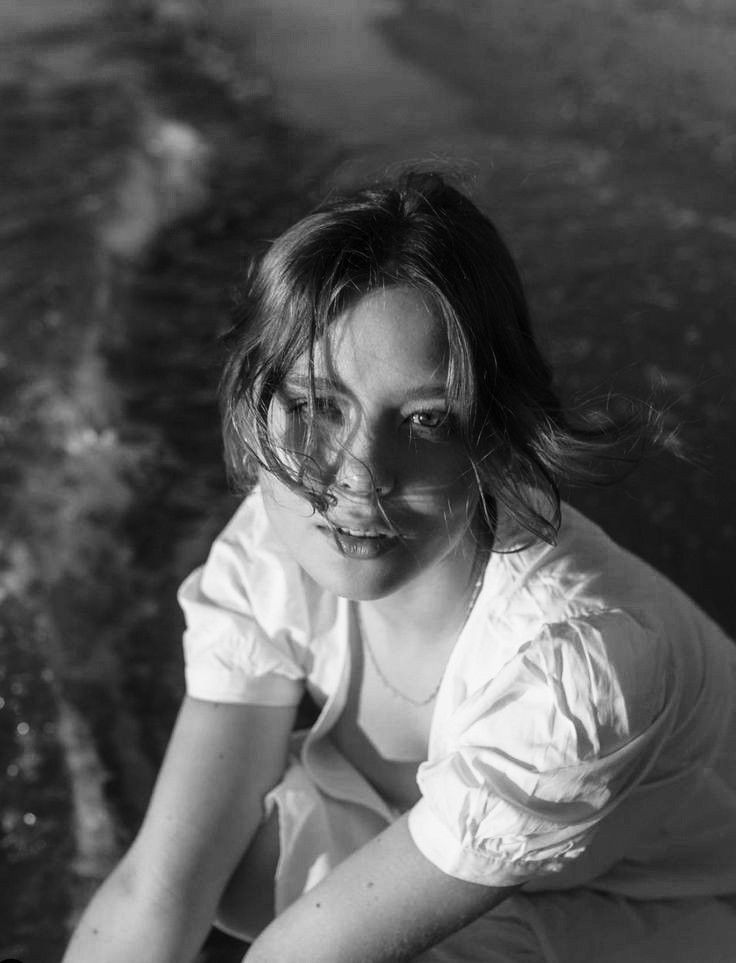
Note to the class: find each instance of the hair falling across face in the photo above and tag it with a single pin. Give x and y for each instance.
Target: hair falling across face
(384, 385)
(372, 420)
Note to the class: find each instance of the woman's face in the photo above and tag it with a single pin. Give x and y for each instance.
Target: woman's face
(383, 439)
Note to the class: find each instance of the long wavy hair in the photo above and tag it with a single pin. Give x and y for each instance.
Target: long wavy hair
(421, 232)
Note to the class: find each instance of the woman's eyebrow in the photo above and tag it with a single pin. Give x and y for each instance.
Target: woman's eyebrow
(303, 383)
(421, 392)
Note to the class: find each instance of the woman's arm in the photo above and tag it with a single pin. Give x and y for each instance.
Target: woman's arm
(386, 902)
(208, 801)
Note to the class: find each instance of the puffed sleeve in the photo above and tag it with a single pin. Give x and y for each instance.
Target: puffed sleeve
(245, 620)
(530, 762)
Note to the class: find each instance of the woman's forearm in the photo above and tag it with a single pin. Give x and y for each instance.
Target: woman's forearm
(128, 920)
(384, 904)
(157, 906)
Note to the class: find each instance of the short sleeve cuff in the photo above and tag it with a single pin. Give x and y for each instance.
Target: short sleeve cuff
(267, 690)
(436, 842)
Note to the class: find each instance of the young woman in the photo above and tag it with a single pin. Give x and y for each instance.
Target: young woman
(525, 743)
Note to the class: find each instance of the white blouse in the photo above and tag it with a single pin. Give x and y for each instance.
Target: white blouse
(584, 732)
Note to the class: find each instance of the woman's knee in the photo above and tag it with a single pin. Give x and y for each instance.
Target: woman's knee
(247, 903)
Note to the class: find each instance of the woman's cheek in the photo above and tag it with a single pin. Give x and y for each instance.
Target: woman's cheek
(440, 468)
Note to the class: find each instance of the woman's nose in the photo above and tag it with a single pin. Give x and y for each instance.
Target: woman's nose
(363, 467)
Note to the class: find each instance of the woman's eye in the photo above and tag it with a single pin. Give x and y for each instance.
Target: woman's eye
(429, 420)
(324, 408)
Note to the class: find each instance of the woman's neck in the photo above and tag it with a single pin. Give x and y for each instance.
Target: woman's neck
(435, 605)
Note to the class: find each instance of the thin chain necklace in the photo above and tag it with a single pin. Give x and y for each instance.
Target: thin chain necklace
(477, 574)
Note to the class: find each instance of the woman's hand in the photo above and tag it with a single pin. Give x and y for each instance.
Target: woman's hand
(386, 902)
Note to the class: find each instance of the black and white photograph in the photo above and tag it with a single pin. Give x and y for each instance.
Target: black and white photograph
(367, 470)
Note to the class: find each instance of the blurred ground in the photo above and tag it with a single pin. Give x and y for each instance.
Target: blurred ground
(146, 149)
(139, 166)
(611, 164)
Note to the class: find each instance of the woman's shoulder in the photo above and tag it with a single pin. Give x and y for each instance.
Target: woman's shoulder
(578, 609)
(590, 622)
(248, 567)
(254, 624)
(584, 573)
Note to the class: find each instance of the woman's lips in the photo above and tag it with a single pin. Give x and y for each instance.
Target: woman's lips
(360, 532)
(359, 542)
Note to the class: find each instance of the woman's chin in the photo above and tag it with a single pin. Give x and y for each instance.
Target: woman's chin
(361, 578)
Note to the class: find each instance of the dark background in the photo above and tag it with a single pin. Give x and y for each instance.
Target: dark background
(146, 149)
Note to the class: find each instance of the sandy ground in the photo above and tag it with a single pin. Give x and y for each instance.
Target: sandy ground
(145, 153)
